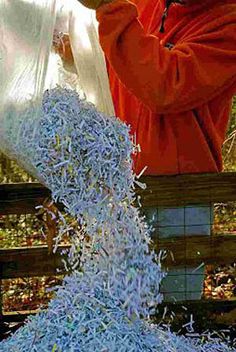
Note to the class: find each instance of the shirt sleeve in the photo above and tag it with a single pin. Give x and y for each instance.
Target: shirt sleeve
(196, 70)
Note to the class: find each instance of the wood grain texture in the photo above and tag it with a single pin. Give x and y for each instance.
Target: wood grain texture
(191, 251)
(21, 198)
(30, 262)
(160, 191)
(188, 189)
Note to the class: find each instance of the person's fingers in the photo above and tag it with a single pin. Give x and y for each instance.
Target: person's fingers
(57, 38)
(62, 47)
(67, 51)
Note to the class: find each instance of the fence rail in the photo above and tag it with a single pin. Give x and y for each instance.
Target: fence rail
(160, 191)
(181, 251)
(174, 190)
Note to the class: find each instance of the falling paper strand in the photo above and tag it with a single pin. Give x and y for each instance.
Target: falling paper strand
(84, 158)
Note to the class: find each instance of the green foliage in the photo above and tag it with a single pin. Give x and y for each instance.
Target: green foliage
(28, 293)
(229, 148)
(11, 172)
(232, 126)
(20, 231)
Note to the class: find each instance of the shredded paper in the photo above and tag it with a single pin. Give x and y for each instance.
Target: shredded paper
(105, 304)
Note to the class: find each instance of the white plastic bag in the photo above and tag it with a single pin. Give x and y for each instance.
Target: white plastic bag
(81, 25)
(29, 66)
(89, 59)
(26, 29)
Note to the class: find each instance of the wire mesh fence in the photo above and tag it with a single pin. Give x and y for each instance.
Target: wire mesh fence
(203, 281)
(184, 282)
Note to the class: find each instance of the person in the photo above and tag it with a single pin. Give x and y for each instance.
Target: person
(172, 73)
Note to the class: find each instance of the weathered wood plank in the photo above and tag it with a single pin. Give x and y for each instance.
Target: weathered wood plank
(194, 250)
(161, 191)
(188, 189)
(30, 262)
(21, 198)
(191, 251)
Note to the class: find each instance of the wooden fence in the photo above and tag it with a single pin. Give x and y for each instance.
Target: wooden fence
(181, 190)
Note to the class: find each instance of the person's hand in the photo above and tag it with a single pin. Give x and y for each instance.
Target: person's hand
(94, 4)
(62, 46)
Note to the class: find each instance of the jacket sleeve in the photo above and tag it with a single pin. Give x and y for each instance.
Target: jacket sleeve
(196, 70)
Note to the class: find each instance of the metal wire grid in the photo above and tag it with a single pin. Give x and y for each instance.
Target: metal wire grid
(18, 293)
(26, 230)
(185, 283)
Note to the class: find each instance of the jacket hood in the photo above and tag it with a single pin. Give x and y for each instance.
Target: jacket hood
(186, 7)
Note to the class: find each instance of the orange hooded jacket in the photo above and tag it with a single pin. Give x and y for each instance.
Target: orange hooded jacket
(174, 88)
